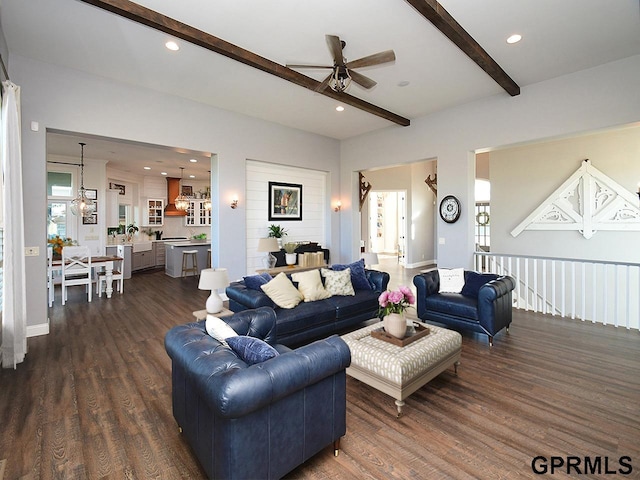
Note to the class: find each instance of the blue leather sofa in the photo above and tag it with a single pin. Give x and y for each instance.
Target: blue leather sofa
(258, 421)
(488, 309)
(311, 320)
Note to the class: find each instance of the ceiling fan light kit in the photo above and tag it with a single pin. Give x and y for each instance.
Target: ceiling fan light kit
(342, 71)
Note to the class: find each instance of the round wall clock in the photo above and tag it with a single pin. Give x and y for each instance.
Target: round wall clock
(450, 209)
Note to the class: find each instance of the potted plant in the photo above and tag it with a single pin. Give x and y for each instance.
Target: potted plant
(199, 238)
(276, 231)
(290, 255)
(392, 306)
(132, 229)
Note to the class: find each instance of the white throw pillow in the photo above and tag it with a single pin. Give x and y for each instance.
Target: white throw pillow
(338, 283)
(451, 280)
(310, 285)
(219, 329)
(282, 291)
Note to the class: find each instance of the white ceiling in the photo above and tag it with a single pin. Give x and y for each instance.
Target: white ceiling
(559, 37)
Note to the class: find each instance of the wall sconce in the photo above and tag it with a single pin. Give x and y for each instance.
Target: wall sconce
(338, 206)
(234, 202)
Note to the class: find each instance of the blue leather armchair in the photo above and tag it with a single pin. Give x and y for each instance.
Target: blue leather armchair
(489, 311)
(263, 420)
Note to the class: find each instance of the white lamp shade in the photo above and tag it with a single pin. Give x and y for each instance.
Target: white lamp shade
(268, 245)
(213, 278)
(370, 258)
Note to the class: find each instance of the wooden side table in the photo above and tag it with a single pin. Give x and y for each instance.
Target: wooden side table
(202, 314)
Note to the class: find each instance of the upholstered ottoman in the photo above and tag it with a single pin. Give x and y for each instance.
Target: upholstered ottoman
(400, 371)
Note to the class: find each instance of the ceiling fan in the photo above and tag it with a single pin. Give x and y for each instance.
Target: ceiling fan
(342, 71)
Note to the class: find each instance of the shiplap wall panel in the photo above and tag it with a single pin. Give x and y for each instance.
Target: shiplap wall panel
(312, 228)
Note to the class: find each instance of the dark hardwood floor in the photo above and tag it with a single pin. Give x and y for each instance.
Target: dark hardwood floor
(93, 400)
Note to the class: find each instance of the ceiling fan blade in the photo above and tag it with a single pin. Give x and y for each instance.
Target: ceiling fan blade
(375, 59)
(325, 83)
(335, 46)
(360, 79)
(294, 65)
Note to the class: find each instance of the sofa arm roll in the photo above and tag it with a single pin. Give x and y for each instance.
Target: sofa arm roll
(259, 323)
(494, 289)
(377, 279)
(247, 297)
(237, 392)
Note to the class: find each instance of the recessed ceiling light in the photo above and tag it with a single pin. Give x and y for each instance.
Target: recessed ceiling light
(340, 108)
(163, 173)
(193, 160)
(192, 176)
(403, 83)
(173, 46)
(515, 38)
(147, 168)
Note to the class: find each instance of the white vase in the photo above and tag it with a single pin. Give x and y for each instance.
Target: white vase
(290, 258)
(395, 324)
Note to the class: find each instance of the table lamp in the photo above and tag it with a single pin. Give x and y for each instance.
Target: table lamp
(213, 279)
(268, 245)
(370, 258)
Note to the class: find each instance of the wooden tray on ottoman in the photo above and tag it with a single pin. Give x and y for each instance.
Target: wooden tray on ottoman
(421, 331)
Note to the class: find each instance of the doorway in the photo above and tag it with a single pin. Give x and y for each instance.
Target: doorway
(388, 224)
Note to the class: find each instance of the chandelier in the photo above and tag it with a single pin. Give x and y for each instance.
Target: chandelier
(181, 202)
(81, 205)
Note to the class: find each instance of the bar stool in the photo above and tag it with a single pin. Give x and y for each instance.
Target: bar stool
(209, 258)
(186, 255)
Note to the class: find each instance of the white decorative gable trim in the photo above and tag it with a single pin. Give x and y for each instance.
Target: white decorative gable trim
(587, 201)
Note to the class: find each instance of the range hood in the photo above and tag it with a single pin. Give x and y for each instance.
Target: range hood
(173, 190)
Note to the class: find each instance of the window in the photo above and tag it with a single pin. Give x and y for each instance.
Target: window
(59, 197)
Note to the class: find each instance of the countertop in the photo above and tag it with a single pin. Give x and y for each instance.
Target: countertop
(182, 243)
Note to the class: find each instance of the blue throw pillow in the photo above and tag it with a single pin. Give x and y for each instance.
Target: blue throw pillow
(253, 282)
(358, 276)
(473, 281)
(251, 350)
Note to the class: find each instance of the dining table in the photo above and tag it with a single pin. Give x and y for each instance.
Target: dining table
(96, 262)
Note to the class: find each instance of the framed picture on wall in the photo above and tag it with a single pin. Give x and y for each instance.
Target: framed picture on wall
(116, 186)
(91, 193)
(93, 219)
(187, 190)
(285, 201)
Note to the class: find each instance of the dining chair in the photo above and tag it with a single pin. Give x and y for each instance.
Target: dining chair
(118, 273)
(76, 269)
(50, 286)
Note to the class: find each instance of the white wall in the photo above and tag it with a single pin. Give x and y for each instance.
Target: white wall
(314, 207)
(592, 99)
(523, 177)
(65, 99)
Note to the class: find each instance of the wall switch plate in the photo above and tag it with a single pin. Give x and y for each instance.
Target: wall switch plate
(31, 251)
(441, 241)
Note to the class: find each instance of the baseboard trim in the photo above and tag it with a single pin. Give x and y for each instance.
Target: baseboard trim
(37, 330)
(423, 263)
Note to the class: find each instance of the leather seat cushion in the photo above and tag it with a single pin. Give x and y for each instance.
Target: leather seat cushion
(348, 306)
(305, 315)
(453, 304)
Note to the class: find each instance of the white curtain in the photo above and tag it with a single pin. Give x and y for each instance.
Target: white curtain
(14, 304)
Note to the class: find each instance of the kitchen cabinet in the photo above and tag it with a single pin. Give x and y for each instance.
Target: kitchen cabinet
(197, 215)
(160, 253)
(144, 259)
(153, 214)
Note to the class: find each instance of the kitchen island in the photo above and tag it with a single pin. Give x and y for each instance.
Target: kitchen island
(173, 253)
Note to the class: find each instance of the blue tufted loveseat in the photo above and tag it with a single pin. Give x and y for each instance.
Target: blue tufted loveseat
(258, 421)
(311, 320)
(486, 308)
